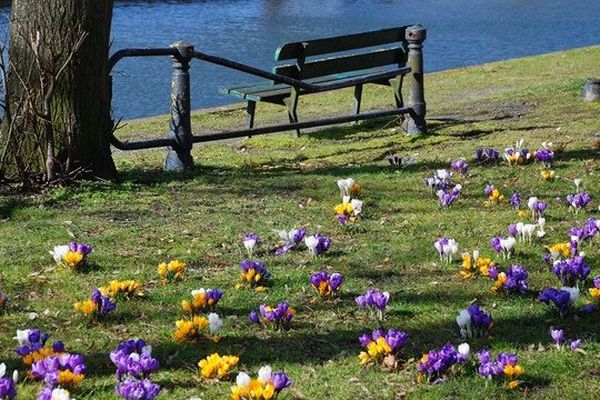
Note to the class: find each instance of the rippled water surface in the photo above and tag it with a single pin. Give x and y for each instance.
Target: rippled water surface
(460, 32)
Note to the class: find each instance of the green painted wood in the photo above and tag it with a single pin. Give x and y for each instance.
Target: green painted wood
(308, 48)
(329, 66)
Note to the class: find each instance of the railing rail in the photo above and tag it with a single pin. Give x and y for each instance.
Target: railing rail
(180, 139)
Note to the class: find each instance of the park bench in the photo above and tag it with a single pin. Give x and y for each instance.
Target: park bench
(364, 57)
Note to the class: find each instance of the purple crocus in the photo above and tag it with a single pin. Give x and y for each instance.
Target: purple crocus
(280, 381)
(292, 238)
(579, 201)
(558, 336)
(49, 368)
(487, 155)
(76, 247)
(490, 368)
(374, 299)
(447, 197)
(8, 388)
(515, 200)
(250, 240)
(105, 304)
(133, 359)
(253, 317)
(137, 389)
(539, 208)
(513, 230)
(436, 363)
(460, 166)
(257, 266)
(489, 189)
(545, 156)
(317, 244)
(280, 317)
(575, 345)
(516, 279)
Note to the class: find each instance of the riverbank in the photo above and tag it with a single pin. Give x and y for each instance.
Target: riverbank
(269, 183)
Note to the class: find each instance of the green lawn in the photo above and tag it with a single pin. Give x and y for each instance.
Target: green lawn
(268, 183)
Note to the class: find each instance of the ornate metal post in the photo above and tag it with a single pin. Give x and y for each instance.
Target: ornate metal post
(179, 158)
(415, 122)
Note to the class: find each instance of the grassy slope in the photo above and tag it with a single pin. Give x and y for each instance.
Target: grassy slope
(276, 182)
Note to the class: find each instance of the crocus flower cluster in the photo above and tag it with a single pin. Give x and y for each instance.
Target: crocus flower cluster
(250, 240)
(348, 211)
(505, 365)
(267, 386)
(317, 244)
(348, 188)
(8, 385)
(97, 307)
(381, 345)
(279, 317)
(494, 196)
(253, 274)
(434, 366)
(563, 298)
(202, 300)
(194, 329)
(548, 174)
(127, 289)
(514, 280)
(504, 246)
(473, 263)
(447, 248)
(216, 366)
(595, 291)
(558, 337)
(375, 301)
(3, 301)
(441, 180)
(64, 370)
(32, 346)
(571, 271)
(587, 232)
(292, 238)
(173, 270)
(487, 155)
(461, 166)
(134, 389)
(133, 360)
(327, 285)
(545, 155)
(558, 251)
(449, 196)
(74, 255)
(537, 208)
(517, 154)
(524, 232)
(579, 201)
(474, 322)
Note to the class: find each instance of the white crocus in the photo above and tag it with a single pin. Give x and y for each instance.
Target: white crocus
(61, 394)
(264, 374)
(526, 232)
(215, 323)
(2, 370)
(23, 337)
(541, 225)
(311, 242)
(147, 349)
(243, 379)
(464, 323)
(59, 253)
(443, 174)
(134, 357)
(531, 204)
(345, 199)
(15, 376)
(507, 245)
(475, 255)
(573, 293)
(249, 244)
(464, 350)
(356, 206)
(345, 185)
(577, 183)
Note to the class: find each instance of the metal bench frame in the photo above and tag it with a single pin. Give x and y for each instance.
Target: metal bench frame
(180, 139)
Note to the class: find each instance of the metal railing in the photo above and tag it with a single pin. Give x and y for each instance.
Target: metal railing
(180, 139)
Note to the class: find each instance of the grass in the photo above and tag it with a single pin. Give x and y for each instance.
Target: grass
(278, 182)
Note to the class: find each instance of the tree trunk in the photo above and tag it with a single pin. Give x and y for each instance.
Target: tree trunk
(72, 129)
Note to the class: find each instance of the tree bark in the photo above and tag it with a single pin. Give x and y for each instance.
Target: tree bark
(79, 109)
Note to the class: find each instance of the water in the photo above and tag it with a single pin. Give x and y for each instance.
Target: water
(460, 33)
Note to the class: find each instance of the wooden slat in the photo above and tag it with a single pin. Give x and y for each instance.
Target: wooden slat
(329, 66)
(262, 92)
(289, 51)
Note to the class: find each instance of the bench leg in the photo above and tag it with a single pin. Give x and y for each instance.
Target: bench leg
(396, 84)
(250, 109)
(292, 105)
(357, 100)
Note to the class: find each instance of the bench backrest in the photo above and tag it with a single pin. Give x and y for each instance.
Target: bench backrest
(307, 68)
